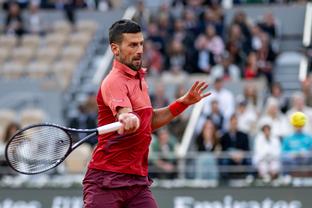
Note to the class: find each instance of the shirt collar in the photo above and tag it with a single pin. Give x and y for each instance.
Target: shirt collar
(122, 67)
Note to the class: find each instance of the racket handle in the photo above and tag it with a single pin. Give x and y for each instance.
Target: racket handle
(109, 128)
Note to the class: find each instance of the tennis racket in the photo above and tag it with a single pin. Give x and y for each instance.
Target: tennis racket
(41, 147)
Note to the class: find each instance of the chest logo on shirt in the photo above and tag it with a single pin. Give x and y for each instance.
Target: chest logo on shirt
(118, 100)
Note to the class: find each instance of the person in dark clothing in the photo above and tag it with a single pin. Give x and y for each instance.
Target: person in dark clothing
(236, 144)
(14, 21)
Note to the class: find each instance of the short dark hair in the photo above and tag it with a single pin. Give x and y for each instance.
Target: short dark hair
(122, 26)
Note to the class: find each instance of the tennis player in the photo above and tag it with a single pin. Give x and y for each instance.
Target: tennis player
(117, 173)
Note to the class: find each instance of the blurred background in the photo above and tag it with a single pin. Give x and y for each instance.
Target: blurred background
(236, 149)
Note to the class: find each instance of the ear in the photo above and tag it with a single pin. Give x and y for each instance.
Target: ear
(115, 49)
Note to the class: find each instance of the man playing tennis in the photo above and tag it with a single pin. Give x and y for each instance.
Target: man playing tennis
(117, 173)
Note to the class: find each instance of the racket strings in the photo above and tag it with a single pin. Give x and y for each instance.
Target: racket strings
(38, 149)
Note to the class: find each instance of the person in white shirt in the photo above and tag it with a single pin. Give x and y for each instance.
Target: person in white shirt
(298, 104)
(267, 153)
(279, 122)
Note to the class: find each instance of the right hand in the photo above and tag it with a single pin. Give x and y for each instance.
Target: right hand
(130, 123)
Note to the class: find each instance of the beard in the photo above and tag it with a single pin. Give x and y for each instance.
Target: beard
(134, 64)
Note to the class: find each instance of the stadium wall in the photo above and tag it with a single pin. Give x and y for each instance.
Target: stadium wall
(220, 197)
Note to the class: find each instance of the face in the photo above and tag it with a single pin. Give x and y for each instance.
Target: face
(130, 50)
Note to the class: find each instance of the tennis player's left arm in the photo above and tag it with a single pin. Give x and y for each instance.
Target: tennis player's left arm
(163, 116)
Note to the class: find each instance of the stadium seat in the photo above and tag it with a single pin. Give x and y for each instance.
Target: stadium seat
(47, 55)
(4, 55)
(55, 40)
(8, 41)
(38, 69)
(80, 39)
(32, 116)
(63, 71)
(22, 54)
(87, 26)
(31, 41)
(12, 70)
(72, 53)
(62, 27)
(77, 161)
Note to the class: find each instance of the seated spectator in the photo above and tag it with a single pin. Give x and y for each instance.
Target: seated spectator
(142, 15)
(34, 21)
(251, 68)
(158, 98)
(207, 144)
(14, 23)
(247, 117)
(176, 55)
(266, 57)
(226, 69)
(296, 149)
(268, 25)
(152, 58)
(203, 58)
(250, 95)
(298, 101)
(224, 97)
(267, 152)
(235, 145)
(216, 116)
(279, 123)
(163, 154)
(11, 129)
(277, 93)
(214, 43)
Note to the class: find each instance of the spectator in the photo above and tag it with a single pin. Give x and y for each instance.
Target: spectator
(159, 98)
(142, 15)
(207, 144)
(251, 67)
(34, 21)
(236, 146)
(236, 44)
(247, 117)
(163, 149)
(216, 116)
(241, 21)
(176, 55)
(266, 57)
(191, 21)
(154, 35)
(250, 94)
(278, 94)
(267, 152)
(212, 17)
(272, 113)
(226, 69)
(14, 23)
(224, 97)
(296, 149)
(203, 57)
(214, 43)
(268, 25)
(152, 58)
(298, 104)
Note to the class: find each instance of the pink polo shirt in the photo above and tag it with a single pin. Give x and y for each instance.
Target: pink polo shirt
(123, 87)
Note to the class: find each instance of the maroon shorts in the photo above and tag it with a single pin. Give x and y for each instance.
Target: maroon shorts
(104, 189)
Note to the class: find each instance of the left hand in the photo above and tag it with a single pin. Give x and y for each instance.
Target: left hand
(195, 94)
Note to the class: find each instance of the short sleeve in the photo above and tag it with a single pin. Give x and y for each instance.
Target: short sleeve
(115, 95)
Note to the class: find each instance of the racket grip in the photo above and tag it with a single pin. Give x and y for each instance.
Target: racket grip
(109, 128)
